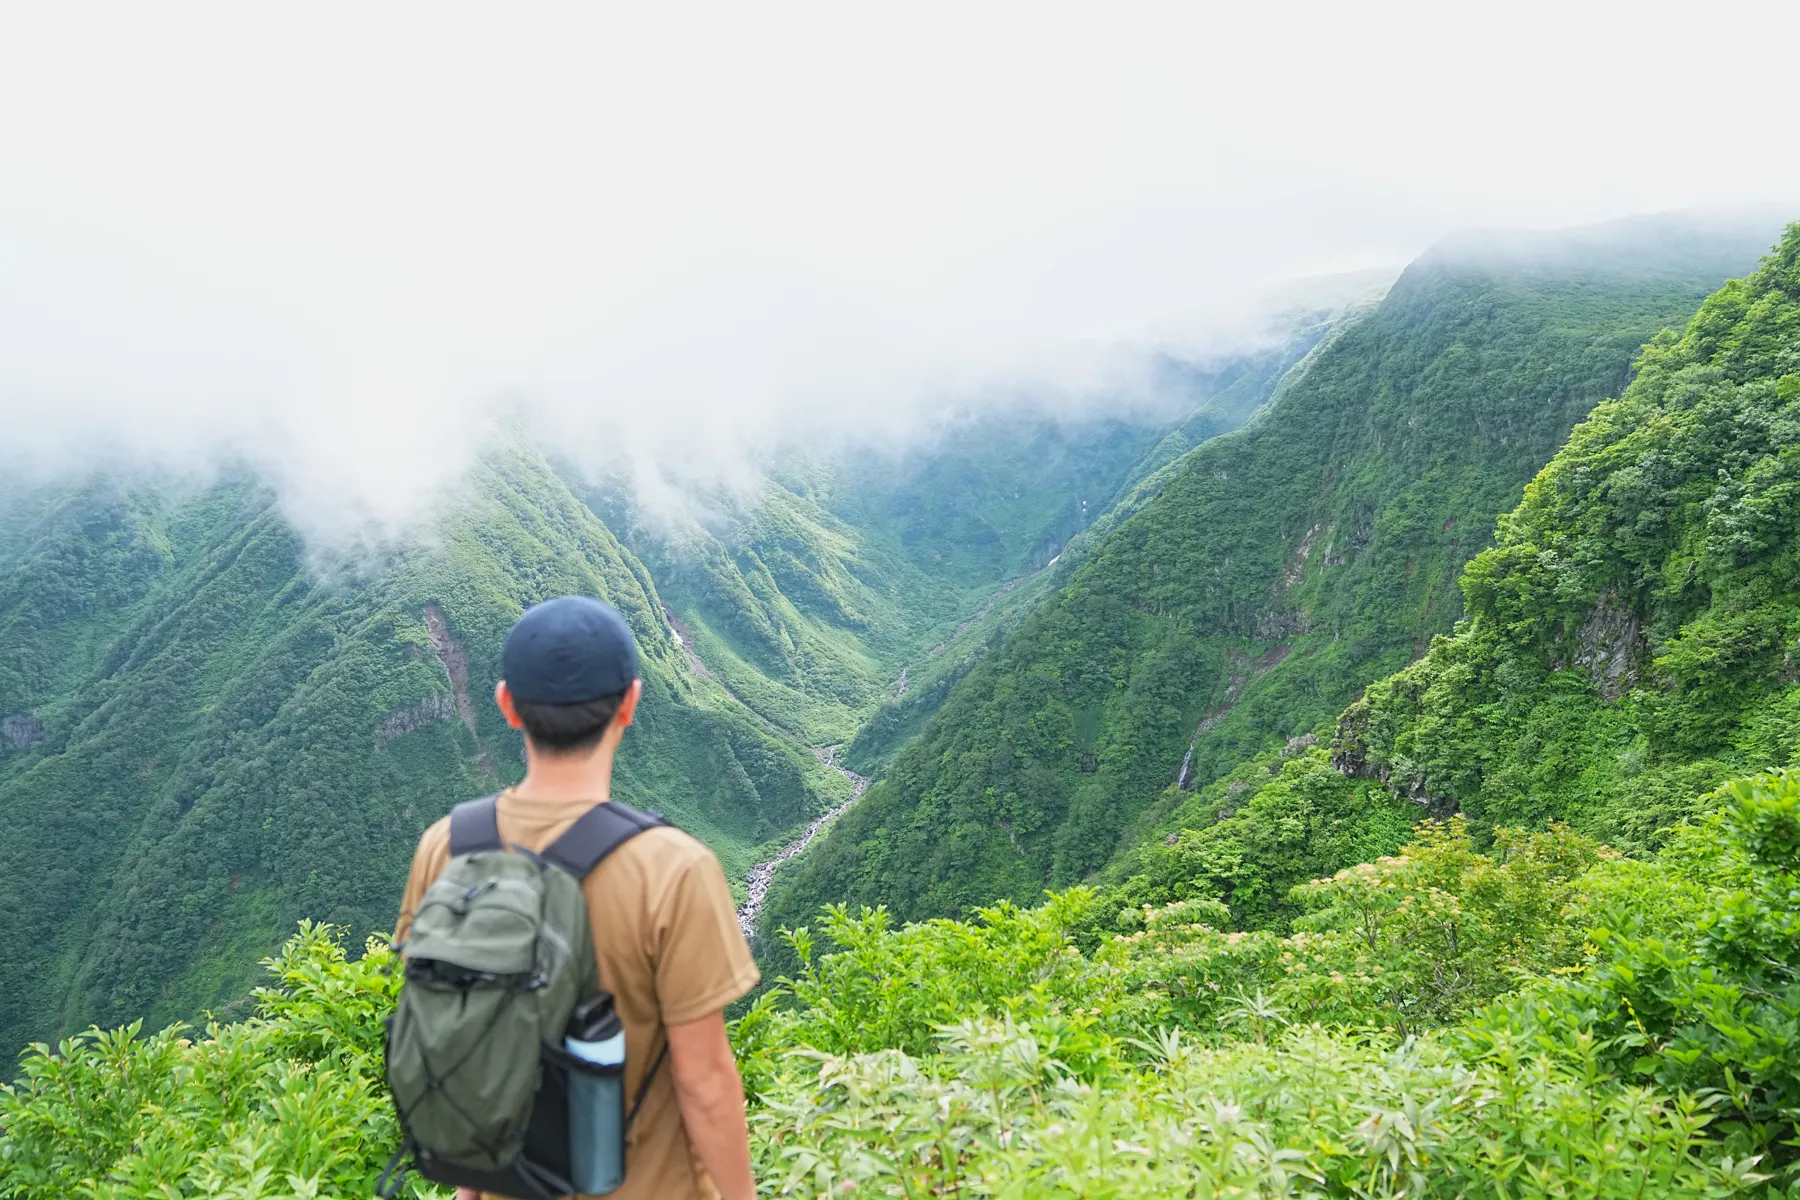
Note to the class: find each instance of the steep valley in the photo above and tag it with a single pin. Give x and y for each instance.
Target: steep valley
(220, 737)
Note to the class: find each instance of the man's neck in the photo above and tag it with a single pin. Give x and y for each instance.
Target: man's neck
(561, 777)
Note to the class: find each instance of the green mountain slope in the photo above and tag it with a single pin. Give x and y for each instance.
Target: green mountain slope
(783, 603)
(1634, 635)
(205, 738)
(1483, 1006)
(810, 596)
(1235, 394)
(1277, 571)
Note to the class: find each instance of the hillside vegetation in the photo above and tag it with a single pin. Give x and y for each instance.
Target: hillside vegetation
(1550, 1019)
(1518, 921)
(1235, 393)
(208, 731)
(1276, 572)
(1632, 636)
(208, 737)
(808, 592)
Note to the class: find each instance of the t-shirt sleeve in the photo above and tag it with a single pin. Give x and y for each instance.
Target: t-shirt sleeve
(704, 962)
(427, 865)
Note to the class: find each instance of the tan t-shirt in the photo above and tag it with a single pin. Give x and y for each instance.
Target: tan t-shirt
(669, 949)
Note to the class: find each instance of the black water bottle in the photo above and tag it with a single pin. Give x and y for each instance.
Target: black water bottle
(596, 1096)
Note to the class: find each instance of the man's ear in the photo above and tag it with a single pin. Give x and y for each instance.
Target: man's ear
(504, 702)
(628, 706)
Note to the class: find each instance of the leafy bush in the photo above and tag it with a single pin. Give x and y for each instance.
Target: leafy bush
(1545, 1019)
(1702, 997)
(286, 1106)
(1318, 1115)
(1549, 1018)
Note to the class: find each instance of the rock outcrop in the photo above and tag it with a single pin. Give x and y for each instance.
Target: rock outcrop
(21, 732)
(439, 706)
(456, 663)
(1610, 646)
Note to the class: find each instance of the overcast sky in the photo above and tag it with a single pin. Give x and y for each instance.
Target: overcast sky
(306, 229)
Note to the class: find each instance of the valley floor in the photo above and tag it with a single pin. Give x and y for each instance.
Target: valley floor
(756, 885)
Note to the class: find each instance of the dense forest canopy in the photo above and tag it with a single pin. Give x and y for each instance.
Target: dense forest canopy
(1631, 636)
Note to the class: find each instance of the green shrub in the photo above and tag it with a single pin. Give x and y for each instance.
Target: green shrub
(1698, 996)
(995, 1114)
(286, 1106)
(1545, 1019)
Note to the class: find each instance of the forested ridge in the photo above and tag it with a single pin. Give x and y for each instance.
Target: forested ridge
(1278, 571)
(1631, 636)
(211, 737)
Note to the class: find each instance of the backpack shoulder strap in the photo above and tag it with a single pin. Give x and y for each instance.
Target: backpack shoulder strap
(475, 826)
(597, 833)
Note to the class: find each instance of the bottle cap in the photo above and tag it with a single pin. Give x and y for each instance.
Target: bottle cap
(594, 1019)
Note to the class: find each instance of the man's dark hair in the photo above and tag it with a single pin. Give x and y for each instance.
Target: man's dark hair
(567, 728)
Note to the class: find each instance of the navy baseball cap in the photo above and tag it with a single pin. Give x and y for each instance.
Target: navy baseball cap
(568, 651)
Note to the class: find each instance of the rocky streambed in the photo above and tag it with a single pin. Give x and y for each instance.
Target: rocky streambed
(756, 885)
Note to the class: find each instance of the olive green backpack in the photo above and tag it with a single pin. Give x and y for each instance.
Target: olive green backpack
(499, 954)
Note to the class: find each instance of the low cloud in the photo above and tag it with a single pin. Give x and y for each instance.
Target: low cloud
(342, 244)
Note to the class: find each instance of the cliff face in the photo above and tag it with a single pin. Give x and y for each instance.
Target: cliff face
(1610, 646)
(21, 731)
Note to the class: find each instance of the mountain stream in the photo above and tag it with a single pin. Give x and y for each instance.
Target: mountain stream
(756, 886)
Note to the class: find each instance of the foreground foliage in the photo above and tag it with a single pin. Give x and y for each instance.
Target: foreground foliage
(1548, 1019)
(287, 1105)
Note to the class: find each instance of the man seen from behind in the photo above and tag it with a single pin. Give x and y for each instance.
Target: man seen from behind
(666, 938)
